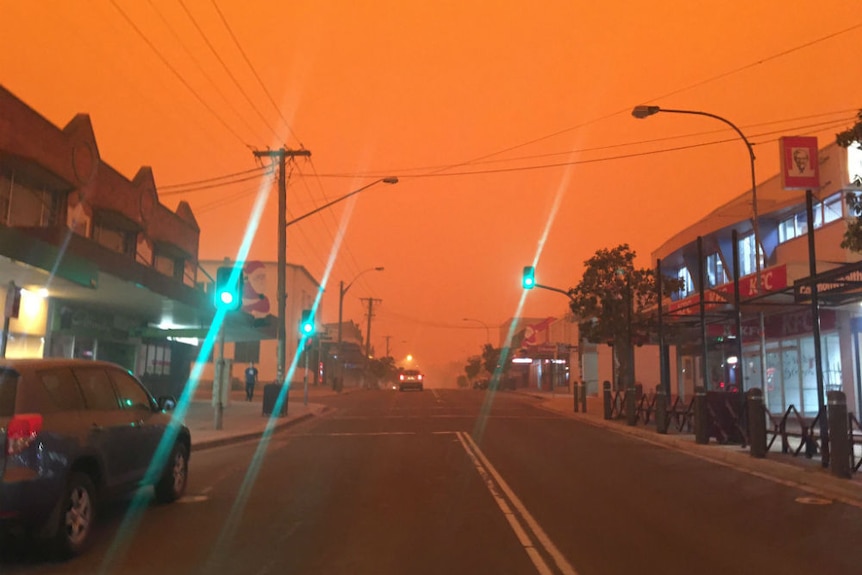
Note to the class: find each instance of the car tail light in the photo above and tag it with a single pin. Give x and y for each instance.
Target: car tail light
(21, 432)
(421, 377)
(401, 377)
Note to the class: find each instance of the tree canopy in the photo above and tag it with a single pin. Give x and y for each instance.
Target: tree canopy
(853, 234)
(614, 302)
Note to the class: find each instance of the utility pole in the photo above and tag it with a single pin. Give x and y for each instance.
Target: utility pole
(281, 297)
(371, 301)
(387, 338)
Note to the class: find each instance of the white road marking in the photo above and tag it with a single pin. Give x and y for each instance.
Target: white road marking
(495, 484)
(356, 434)
(436, 396)
(813, 501)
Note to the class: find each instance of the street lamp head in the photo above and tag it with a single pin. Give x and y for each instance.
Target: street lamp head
(392, 180)
(644, 111)
(378, 269)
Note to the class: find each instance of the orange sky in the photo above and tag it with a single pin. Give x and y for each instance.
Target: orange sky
(529, 100)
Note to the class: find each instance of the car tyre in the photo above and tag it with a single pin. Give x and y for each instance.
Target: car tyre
(172, 485)
(77, 515)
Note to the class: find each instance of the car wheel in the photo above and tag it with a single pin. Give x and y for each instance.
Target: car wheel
(77, 513)
(421, 388)
(172, 485)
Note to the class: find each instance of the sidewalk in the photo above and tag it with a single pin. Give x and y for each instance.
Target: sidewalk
(807, 474)
(243, 420)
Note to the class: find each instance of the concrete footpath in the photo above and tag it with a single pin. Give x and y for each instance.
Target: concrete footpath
(243, 420)
(806, 474)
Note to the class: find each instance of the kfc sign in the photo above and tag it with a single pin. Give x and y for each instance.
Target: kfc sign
(800, 166)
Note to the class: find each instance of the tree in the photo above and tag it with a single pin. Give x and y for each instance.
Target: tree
(853, 234)
(473, 367)
(613, 303)
(490, 358)
(382, 368)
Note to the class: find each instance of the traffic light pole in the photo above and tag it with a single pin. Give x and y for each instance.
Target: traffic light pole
(281, 297)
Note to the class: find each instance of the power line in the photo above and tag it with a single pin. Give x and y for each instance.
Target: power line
(177, 74)
(626, 110)
(214, 185)
(227, 70)
(215, 178)
(256, 75)
(203, 71)
(822, 125)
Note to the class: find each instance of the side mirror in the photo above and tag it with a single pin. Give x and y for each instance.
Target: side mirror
(167, 403)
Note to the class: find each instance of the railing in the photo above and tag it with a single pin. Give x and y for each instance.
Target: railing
(855, 439)
(727, 414)
(646, 407)
(618, 410)
(792, 424)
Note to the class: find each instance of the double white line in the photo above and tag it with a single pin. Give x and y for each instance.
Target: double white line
(503, 495)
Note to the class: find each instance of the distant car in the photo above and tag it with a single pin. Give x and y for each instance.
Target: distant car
(77, 432)
(411, 379)
(480, 384)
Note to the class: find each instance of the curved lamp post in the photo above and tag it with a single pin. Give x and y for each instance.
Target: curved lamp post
(641, 112)
(487, 330)
(342, 290)
(390, 180)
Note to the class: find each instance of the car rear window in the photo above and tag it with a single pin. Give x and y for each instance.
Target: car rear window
(8, 388)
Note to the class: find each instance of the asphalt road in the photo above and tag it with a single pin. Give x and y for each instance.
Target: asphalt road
(450, 482)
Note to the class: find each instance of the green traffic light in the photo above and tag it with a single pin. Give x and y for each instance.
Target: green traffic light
(228, 288)
(528, 280)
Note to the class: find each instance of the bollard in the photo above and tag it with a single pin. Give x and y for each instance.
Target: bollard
(839, 435)
(631, 406)
(701, 425)
(756, 422)
(606, 397)
(661, 419)
(583, 387)
(575, 387)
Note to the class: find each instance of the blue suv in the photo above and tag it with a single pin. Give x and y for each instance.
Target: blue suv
(76, 432)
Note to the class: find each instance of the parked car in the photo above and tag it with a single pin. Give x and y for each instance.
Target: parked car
(411, 379)
(77, 432)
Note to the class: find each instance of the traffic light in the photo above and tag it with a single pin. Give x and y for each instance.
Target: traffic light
(228, 289)
(528, 281)
(306, 324)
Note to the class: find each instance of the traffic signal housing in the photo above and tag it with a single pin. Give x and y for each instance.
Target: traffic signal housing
(228, 289)
(306, 324)
(528, 280)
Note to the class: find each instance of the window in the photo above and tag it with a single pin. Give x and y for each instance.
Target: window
(22, 206)
(97, 389)
(747, 256)
(687, 288)
(246, 352)
(164, 265)
(715, 274)
(63, 389)
(824, 212)
(158, 359)
(113, 239)
(132, 395)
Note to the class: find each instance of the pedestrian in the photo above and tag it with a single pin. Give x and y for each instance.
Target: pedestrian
(250, 380)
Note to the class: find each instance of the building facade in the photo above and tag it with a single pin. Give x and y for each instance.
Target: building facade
(251, 332)
(96, 263)
(778, 323)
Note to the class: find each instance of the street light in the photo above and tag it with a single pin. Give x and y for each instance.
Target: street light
(342, 290)
(487, 331)
(641, 112)
(390, 180)
(282, 249)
